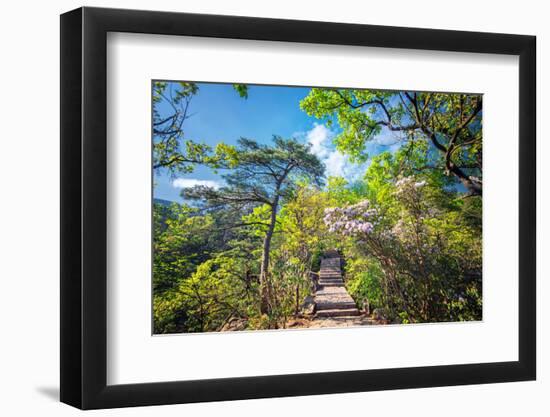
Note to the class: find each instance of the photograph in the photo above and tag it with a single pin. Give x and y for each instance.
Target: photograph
(291, 207)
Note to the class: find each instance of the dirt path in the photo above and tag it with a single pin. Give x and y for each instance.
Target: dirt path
(328, 322)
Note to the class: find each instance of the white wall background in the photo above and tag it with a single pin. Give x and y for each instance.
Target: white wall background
(29, 225)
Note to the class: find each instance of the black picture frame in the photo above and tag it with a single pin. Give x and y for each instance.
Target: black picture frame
(84, 207)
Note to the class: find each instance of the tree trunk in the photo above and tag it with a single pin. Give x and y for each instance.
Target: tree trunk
(297, 305)
(265, 287)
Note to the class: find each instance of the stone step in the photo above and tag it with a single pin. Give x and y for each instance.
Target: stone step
(338, 312)
(335, 305)
(331, 298)
(331, 284)
(333, 294)
(330, 281)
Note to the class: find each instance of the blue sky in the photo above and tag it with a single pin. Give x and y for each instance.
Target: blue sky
(218, 114)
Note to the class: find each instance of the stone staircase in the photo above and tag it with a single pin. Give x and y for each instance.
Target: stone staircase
(331, 298)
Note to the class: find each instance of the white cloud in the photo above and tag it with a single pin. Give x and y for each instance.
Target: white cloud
(386, 140)
(336, 164)
(191, 182)
(320, 138)
(339, 165)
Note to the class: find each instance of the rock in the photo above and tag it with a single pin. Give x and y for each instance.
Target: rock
(379, 314)
(234, 325)
(308, 307)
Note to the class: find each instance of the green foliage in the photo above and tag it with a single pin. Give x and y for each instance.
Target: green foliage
(172, 152)
(450, 122)
(181, 239)
(262, 175)
(298, 246)
(346, 108)
(217, 291)
(263, 178)
(339, 191)
(242, 90)
(364, 281)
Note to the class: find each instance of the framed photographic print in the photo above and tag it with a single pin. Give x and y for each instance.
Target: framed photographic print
(256, 207)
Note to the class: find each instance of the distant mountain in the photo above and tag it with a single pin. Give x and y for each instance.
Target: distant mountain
(163, 202)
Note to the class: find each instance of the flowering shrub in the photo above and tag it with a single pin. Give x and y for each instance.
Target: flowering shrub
(351, 220)
(426, 257)
(408, 182)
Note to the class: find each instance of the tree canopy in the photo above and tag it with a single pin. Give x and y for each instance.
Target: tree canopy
(263, 176)
(171, 150)
(451, 122)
